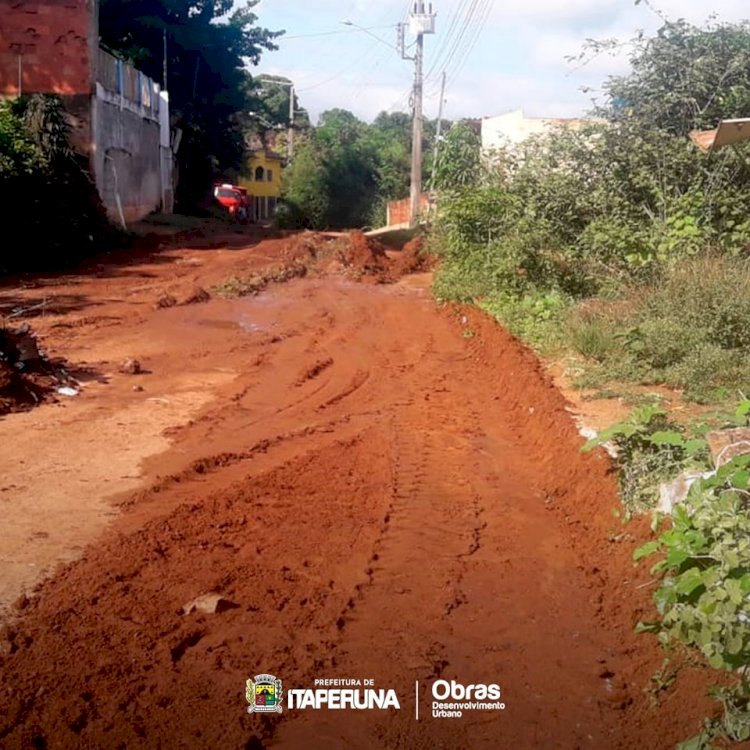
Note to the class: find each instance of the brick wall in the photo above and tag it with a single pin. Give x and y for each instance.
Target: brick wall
(398, 211)
(53, 40)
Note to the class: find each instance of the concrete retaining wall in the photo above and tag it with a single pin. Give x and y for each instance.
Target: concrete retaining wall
(127, 162)
(127, 122)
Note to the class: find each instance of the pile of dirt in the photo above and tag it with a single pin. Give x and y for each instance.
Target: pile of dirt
(413, 258)
(307, 247)
(26, 376)
(353, 255)
(356, 256)
(194, 295)
(365, 258)
(244, 286)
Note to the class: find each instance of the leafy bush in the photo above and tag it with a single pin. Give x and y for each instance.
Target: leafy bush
(20, 157)
(459, 163)
(703, 597)
(597, 211)
(591, 332)
(535, 317)
(45, 188)
(625, 211)
(650, 449)
(306, 202)
(714, 79)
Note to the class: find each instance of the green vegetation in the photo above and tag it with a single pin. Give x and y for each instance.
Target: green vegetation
(686, 328)
(700, 558)
(45, 188)
(713, 80)
(703, 593)
(244, 286)
(704, 587)
(650, 449)
(624, 244)
(345, 170)
(460, 163)
(619, 241)
(269, 95)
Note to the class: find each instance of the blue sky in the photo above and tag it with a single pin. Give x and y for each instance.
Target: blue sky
(511, 57)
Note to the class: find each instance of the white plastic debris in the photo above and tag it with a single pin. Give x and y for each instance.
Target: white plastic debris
(589, 433)
(66, 390)
(675, 492)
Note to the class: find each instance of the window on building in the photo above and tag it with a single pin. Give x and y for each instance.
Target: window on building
(269, 175)
(259, 174)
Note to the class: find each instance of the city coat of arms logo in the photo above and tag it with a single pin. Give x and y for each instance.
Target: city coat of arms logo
(264, 694)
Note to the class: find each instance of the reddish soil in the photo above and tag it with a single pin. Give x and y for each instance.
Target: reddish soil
(413, 258)
(384, 490)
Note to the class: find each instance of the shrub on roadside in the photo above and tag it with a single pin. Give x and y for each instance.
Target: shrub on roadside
(687, 330)
(703, 594)
(650, 449)
(45, 188)
(535, 317)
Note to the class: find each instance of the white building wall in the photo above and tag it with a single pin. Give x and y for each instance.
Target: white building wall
(513, 128)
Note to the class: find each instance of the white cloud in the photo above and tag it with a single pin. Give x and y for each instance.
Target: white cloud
(549, 12)
(699, 12)
(518, 61)
(496, 94)
(554, 52)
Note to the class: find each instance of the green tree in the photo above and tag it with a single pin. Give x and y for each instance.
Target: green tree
(305, 190)
(269, 97)
(20, 157)
(359, 166)
(209, 42)
(685, 77)
(389, 137)
(351, 167)
(460, 160)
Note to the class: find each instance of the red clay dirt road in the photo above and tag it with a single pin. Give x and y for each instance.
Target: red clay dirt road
(379, 488)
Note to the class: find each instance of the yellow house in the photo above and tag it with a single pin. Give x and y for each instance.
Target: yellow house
(263, 181)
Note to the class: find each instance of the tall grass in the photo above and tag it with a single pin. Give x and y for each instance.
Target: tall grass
(689, 329)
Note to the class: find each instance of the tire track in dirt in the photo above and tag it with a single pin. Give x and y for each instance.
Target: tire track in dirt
(427, 530)
(404, 537)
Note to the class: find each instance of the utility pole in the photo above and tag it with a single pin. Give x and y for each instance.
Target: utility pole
(438, 132)
(164, 61)
(290, 136)
(421, 22)
(290, 129)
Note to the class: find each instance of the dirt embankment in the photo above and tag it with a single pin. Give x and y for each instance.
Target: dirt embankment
(382, 490)
(356, 256)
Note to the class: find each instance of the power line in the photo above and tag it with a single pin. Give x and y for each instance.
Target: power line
(463, 41)
(448, 37)
(459, 25)
(366, 79)
(461, 34)
(343, 71)
(334, 32)
(407, 12)
(402, 101)
(481, 21)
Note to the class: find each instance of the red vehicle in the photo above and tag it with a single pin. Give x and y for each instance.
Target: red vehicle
(236, 201)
